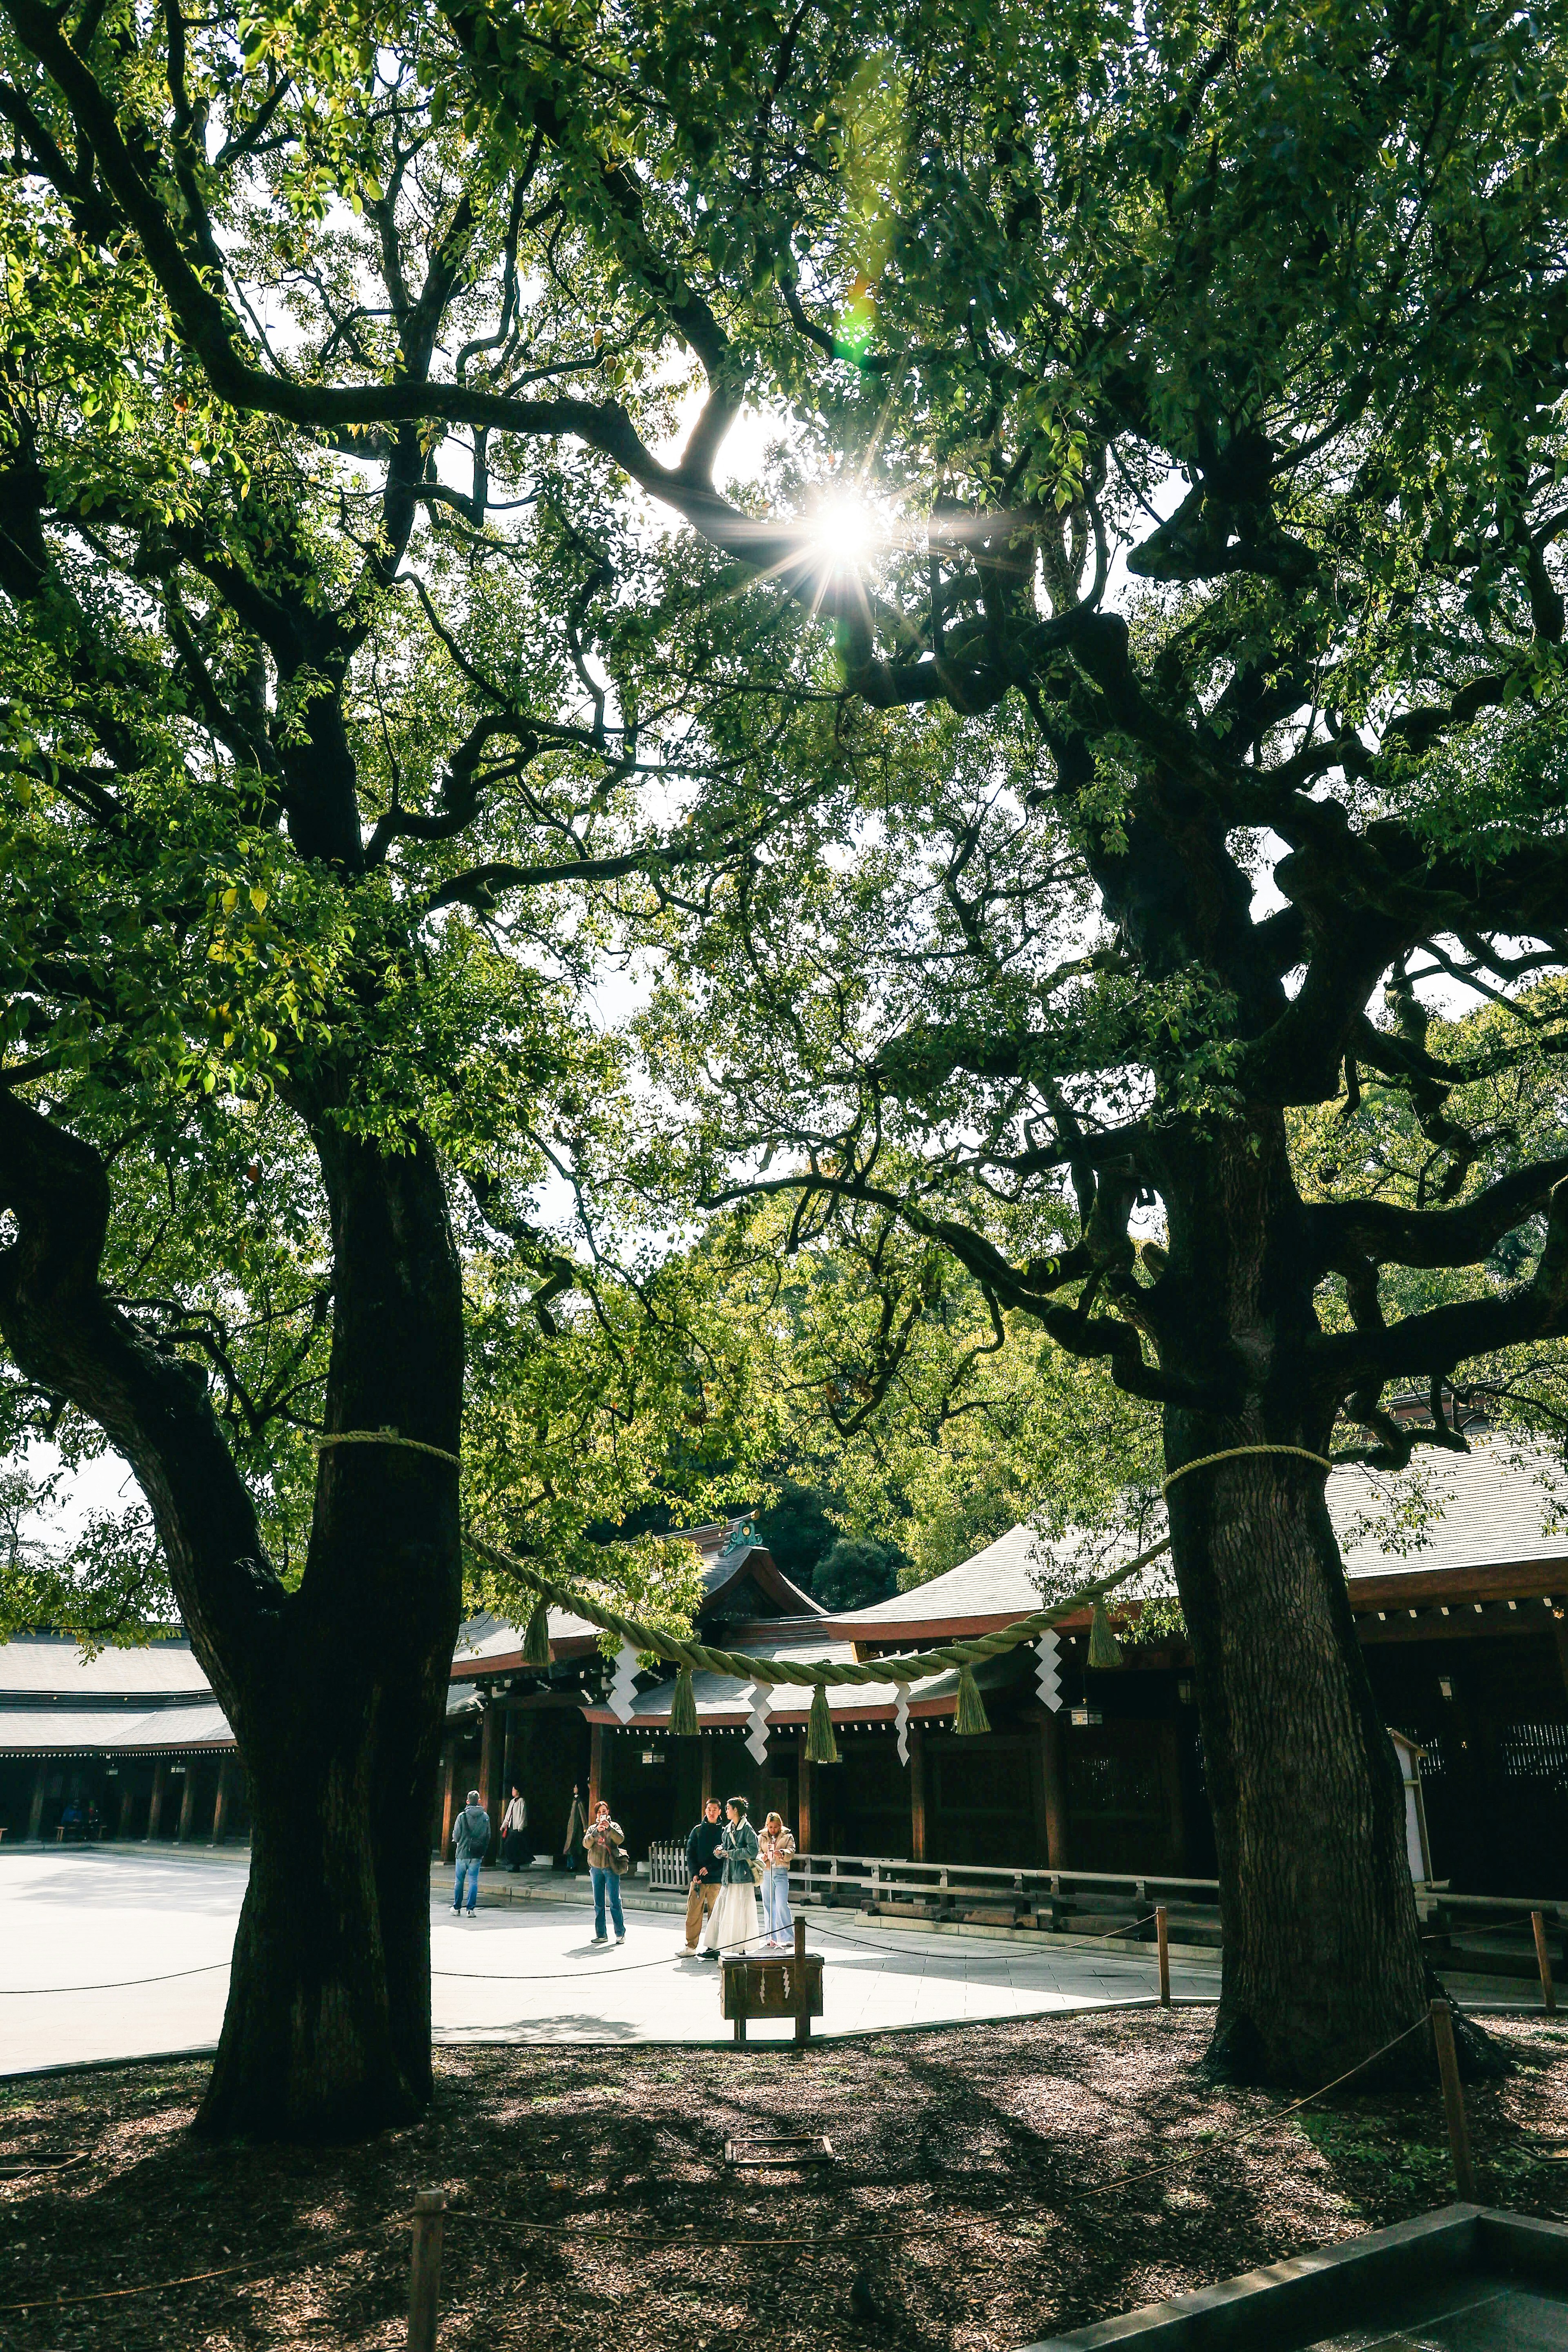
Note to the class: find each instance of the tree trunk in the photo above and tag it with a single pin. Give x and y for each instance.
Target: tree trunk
(340, 1710)
(1323, 1960)
(336, 1691)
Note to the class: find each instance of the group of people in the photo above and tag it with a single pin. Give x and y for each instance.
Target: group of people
(728, 1866)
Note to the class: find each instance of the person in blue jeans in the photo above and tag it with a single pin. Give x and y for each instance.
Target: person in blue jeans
(471, 1842)
(606, 1859)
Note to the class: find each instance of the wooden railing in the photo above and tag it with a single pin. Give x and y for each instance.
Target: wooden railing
(1495, 1926)
(1048, 1898)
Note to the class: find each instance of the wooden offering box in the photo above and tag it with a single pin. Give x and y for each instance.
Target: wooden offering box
(772, 1984)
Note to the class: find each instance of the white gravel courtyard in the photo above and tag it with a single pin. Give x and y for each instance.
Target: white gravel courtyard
(97, 1918)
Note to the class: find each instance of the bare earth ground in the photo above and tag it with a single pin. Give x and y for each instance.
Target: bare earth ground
(980, 2199)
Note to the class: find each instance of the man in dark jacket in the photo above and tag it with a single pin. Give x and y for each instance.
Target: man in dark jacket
(471, 1842)
(704, 1869)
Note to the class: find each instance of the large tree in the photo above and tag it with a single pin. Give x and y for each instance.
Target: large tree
(1221, 367)
(1209, 364)
(314, 737)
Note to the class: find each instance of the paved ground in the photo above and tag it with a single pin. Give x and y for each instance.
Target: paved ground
(96, 1919)
(78, 1927)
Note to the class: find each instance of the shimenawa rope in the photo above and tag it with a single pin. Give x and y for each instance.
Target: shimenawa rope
(1234, 1454)
(386, 1437)
(736, 1666)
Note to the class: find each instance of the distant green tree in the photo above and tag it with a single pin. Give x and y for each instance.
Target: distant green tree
(797, 1530)
(857, 1571)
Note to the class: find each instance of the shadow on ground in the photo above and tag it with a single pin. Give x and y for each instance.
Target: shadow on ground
(993, 2184)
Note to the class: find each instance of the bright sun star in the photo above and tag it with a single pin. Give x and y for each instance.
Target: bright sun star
(844, 530)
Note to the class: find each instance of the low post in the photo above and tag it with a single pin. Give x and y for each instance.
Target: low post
(802, 2010)
(1163, 1938)
(425, 2269)
(1454, 2101)
(1543, 1962)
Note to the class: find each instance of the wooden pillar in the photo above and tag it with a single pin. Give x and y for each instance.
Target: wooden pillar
(808, 1789)
(1560, 1627)
(705, 1740)
(224, 1799)
(188, 1804)
(596, 1767)
(1175, 1813)
(490, 1767)
(449, 1805)
(509, 1742)
(155, 1806)
(1052, 1796)
(917, 1794)
(36, 1810)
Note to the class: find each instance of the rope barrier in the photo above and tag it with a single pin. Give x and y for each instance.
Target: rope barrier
(737, 1667)
(1234, 1454)
(193, 2278)
(118, 1984)
(386, 1437)
(1189, 2156)
(1476, 1935)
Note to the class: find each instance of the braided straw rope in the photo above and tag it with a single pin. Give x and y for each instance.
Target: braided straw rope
(1233, 1453)
(914, 1667)
(386, 1437)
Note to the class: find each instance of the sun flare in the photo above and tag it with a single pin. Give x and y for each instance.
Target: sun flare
(844, 532)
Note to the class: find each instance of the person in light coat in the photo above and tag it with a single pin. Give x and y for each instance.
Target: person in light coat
(775, 1852)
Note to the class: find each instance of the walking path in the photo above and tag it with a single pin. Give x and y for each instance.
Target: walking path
(94, 1917)
(79, 1925)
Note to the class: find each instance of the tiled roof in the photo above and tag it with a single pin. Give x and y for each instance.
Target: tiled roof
(72, 1731)
(45, 1663)
(486, 1636)
(1484, 1508)
(1493, 1505)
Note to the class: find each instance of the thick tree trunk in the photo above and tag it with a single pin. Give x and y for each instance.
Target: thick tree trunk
(1322, 1960)
(340, 1708)
(336, 1691)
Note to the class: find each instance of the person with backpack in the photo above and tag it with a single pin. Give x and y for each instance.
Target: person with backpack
(607, 1846)
(471, 1842)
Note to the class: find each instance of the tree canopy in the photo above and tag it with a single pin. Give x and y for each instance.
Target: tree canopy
(1052, 787)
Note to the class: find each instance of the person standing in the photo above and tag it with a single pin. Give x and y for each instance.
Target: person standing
(515, 1851)
(576, 1826)
(775, 1852)
(607, 1860)
(471, 1842)
(734, 1922)
(704, 1869)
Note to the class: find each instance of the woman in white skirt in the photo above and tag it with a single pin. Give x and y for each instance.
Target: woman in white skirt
(734, 1919)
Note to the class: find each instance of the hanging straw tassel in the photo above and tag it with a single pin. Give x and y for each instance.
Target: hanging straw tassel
(820, 1745)
(1104, 1649)
(536, 1641)
(971, 1714)
(683, 1706)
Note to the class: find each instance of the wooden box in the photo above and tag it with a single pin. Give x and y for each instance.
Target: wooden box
(773, 1984)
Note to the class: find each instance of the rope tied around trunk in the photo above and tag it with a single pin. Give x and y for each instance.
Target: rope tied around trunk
(1233, 1453)
(386, 1437)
